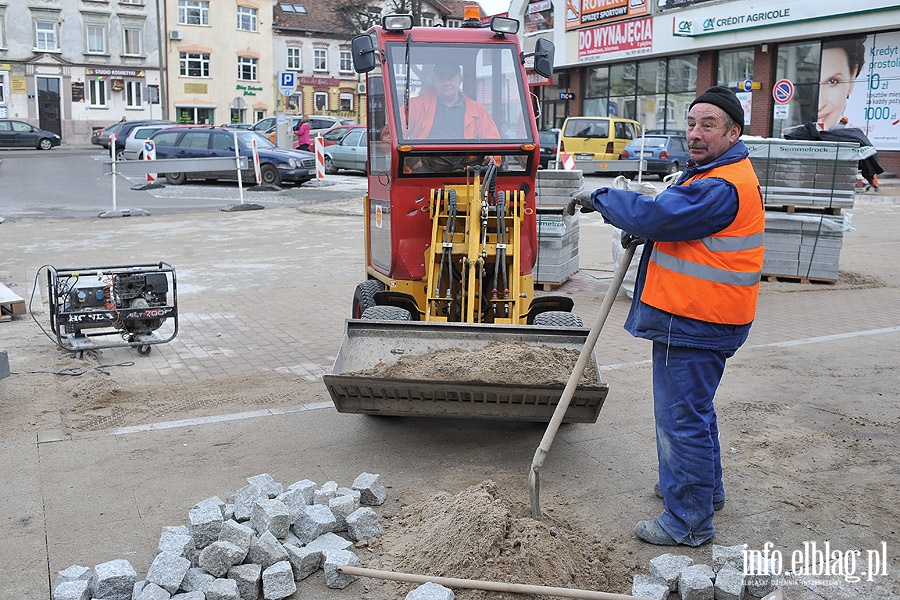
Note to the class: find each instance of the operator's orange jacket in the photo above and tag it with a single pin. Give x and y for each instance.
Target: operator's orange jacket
(477, 124)
(714, 279)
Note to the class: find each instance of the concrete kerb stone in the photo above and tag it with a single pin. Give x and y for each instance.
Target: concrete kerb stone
(278, 581)
(371, 489)
(363, 524)
(695, 583)
(168, 570)
(431, 591)
(650, 586)
(729, 584)
(668, 567)
(249, 580)
(339, 558)
(113, 580)
(79, 589)
(223, 589)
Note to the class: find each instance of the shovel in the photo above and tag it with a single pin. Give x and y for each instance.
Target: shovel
(534, 482)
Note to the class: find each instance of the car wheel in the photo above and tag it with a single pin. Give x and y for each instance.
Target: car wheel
(120, 155)
(329, 166)
(270, 175)
(45, 144)
(629, 174)
(673, 168)
(176, 178)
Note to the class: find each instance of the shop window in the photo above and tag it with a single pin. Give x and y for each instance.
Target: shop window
(133, 96)
(800, 64)
(734, 66)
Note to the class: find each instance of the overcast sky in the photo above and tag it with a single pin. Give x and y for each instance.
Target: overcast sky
(493, 7)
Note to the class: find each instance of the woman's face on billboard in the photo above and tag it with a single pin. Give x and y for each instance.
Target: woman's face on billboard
(835, 86)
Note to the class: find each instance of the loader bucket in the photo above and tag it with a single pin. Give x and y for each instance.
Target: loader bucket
(368, 344)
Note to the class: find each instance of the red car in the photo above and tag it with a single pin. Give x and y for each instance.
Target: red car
(337, 133)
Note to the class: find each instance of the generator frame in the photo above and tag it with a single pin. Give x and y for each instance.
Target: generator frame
(90, 328)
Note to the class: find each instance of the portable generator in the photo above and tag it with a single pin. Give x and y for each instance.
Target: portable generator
(91, 307)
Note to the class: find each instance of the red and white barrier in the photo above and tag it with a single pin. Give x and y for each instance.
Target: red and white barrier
(567, 161)
(320, 158)
(150, 154)
(255, 151)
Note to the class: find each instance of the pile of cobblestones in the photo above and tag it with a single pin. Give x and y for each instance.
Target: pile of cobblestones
(725, 579)
(259, 543)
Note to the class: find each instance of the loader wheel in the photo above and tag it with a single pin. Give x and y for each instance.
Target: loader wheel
(364, 296)
(557, 318)
(387, 313)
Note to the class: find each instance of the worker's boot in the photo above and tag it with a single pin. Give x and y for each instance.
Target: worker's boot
(652, 532)
(659, 494)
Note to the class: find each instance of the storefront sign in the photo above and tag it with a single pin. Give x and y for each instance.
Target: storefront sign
(17, 84)
(195, 88)
(584, 13)
(874, 103)
(628, 38)
(77, 91)
(109, 72)
(669, 4)
(318, 81)
(248, 90)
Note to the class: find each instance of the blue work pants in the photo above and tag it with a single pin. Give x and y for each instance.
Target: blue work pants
(687, 438)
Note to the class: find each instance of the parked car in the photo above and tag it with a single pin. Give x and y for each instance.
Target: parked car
(318, 124)
(134, 143)
(100, 137)
(665, 154)
(276, 164)
(597, 138)
(334, 135)
(549, 142)
(349, 153)
(124, 130)
(19, 134)
(238, 126)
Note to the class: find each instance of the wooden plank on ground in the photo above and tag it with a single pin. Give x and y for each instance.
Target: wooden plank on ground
(11, 303)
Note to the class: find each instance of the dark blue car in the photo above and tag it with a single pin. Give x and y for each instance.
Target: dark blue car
(276, 164)
(665, 154)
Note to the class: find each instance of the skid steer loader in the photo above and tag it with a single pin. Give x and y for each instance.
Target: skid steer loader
(450, 228)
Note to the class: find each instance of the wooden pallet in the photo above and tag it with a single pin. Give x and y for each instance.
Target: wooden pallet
(10, 303)
(795, 279)
(549, 286)
(806, 210)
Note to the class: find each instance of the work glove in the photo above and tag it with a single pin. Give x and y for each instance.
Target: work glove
(581, 200)
(629, 238)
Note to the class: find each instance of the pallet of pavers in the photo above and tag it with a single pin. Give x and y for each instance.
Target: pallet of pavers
(803, 247)
(555, 187)
(557, 258)
(801, 173)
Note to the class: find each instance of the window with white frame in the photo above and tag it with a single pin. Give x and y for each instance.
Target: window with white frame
(96, 38)
(295, 103)
(346, 101)
(247, 68)
(45, 36)
(194, 64)
(97, 92)
(427, 22)
(320, 59)
(454, 23)
(321, 101)
(2, 28)
(293, 59)
(132, 38)
(346, 62)
(131, 1)
(246, 18)
(258, 115)
(193, 12)
(133, 95)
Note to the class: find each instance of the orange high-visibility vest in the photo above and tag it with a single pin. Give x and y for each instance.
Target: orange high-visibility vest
(714, 279)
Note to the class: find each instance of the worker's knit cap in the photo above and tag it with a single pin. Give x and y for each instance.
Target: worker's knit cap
(724, 99)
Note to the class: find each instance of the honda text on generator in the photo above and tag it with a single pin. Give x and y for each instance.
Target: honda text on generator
(451, 233)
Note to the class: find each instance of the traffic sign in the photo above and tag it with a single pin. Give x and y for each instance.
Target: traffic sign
(747, 85)
(287, 83)
(783, 91)
(566, 96)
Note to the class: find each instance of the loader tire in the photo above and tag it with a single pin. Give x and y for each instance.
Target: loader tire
(387, 313)
(364, 297)
(557, 318)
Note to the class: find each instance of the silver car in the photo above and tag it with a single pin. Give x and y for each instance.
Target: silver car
(134, 143)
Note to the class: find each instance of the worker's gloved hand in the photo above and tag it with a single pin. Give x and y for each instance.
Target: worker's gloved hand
(629, 238)
(581, 200)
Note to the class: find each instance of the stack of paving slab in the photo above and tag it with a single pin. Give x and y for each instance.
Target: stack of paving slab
(259, 544)
(806, 185)
(557, 258)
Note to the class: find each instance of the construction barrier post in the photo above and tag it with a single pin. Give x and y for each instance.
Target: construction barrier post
(150, 154)
(320, 158)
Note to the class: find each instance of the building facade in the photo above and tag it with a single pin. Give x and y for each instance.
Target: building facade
(788, 61)
(69, 66)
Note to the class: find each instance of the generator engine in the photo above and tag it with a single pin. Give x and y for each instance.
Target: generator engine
(130, 302)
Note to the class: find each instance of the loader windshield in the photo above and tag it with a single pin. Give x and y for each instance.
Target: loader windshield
(453, 94)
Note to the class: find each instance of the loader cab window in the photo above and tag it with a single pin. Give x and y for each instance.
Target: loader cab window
(445, 94)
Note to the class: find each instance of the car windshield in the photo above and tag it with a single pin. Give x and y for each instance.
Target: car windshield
(587, 128)
(547, 138)
(245, 138)
(487, 74)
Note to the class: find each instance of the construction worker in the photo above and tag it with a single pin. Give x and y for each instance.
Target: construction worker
(695, 299)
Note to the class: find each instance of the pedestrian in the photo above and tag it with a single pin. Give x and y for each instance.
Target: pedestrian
(695, 299)
(123, 119)
(303, 134)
